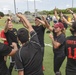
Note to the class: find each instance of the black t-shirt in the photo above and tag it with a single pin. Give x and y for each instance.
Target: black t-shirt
(11, 36)
(61, 39)
(71, 53)
(4, 51)
(40, 30)
(29, 57)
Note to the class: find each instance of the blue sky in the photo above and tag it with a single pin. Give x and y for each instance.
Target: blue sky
(21, 5)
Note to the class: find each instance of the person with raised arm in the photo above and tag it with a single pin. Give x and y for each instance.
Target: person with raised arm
(58, 41)
(71, 51)
(29, 57)
(11, 36)
(60, 19)
(74, 17)
(6, 51)
(40, 30)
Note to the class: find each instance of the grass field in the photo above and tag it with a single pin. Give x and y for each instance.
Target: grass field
(48, 56)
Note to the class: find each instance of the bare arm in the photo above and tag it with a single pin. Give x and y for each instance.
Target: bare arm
(3, 39)
(27, 23)
(74, 15)
(47, 24)
(14, 49)
(55, 43)
(42, 22)
(56, 15)
(65, 20)
(6, 25)
(20, 72)
(23, 22)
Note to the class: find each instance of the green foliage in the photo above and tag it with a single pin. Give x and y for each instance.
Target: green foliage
(64, 11)
(27, 12)
(1, 14)
(43, 12)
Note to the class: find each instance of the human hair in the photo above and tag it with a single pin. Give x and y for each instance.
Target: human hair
(38, 18)
(63, 31)
(23, 35)
(6, 25)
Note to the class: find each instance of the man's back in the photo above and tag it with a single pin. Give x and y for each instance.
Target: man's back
(71, 53)
(30, 57)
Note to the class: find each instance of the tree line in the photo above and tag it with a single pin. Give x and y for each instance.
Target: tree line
(64, 11)
(45, 12)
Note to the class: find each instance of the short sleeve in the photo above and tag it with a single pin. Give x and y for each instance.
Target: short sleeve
(5, 50)
(2, 34)
(8, 38)
(18, 62)
(61, 39)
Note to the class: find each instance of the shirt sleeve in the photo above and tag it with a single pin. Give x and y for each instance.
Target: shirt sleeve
(61, 39)
(34, 38)
(2, 34)
(5, 50)
(18, 61)
(8, 38)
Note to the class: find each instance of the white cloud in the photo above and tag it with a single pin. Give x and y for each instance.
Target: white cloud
(67, 5)
(5, 9)
(8, 1)
(6, 5)
(34, 0)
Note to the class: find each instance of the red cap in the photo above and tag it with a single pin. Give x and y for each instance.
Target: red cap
(59, 24)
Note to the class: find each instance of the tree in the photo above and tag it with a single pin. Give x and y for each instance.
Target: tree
(1, 14)
(27, 12)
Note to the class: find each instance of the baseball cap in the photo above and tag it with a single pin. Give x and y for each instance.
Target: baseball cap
(59, 24)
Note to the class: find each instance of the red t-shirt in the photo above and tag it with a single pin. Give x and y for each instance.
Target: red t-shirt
(3, 36)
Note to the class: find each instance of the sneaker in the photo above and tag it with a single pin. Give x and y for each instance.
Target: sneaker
(43, 68)
(58, 73)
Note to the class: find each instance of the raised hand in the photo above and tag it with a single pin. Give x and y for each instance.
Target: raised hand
(51, 36)
(43, 18)
(19, 15)
(61, 14)
(69, 10)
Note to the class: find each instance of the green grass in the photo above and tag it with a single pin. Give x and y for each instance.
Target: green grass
(48, 56)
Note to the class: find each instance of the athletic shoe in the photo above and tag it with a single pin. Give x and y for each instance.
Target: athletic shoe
(58, 73)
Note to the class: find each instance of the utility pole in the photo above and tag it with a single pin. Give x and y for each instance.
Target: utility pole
(72, 4)
(15, 6)
(35, 8)
(27, 6)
